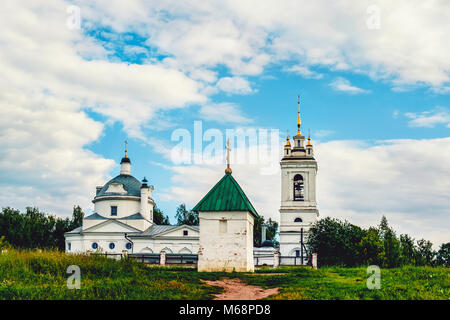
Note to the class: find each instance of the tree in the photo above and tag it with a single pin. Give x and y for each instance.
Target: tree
(36, 229)
(383, 227)
(159, 217)
(336, 242)
(372, 248)
(257, 230)
(77, 217)
(271, 231)
(391, 250)
(391, 244)
(407, 250)
(443, 255)
(184, 216)
(424, 253)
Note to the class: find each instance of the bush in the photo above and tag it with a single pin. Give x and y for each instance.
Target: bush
(339, 243)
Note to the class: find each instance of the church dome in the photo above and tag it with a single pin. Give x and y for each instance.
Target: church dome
(130, 184)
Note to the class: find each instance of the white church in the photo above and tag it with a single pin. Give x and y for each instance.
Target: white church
(122, 221)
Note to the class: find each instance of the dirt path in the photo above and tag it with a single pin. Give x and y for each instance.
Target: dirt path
(235, 289)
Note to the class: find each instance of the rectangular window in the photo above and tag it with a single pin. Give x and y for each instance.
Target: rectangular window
(223, 226)
(185, 232)
(114, 210)
(69, 246)
(297, 253)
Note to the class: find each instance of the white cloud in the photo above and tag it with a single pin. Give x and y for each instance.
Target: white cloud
(50, 76)
(234, 85)
(246, 36)
(224, 112)
(429, 119)
(43, 161)
(343, 85)
(304, 72)
(441, 90)
(402, 179)
(319, 134)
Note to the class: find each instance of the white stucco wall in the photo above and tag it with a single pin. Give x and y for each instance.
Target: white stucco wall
(170, 246)
(173, 242)
(226, 249)
(83, 243)
(125, 206)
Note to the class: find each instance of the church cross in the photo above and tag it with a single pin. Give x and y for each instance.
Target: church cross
(126, 142)
(228, 169)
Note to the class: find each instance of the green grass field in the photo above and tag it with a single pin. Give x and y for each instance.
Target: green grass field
(42, 275)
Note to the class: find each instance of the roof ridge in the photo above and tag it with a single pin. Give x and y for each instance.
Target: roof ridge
(242, 194)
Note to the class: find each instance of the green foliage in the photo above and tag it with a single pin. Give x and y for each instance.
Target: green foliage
(391, 256)
(257, 230)
(443, 255)
(41, 274)
(408, 250)
(271, 231)
(424, 253)
(336, 242)
(3, 243)
(159, 217)
(337, 283)
(184, 216)
(372, 248)
(343, 244)
(35, 229)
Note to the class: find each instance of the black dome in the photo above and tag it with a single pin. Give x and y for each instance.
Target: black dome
(125, 160)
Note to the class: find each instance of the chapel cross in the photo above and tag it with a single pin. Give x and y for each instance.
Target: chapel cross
(126, 142)
(228, 169)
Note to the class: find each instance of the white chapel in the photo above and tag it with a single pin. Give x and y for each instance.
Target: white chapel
(123, 221)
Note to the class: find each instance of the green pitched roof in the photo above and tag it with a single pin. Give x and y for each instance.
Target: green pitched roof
(226, 195)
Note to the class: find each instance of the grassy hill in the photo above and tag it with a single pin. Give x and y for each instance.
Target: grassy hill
(42, 275)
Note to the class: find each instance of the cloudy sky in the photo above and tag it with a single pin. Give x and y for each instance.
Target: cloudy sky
(79, 78)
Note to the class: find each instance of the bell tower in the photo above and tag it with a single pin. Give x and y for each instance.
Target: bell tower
(298, 209)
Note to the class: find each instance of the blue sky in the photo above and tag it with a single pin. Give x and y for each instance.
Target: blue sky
(374, 84)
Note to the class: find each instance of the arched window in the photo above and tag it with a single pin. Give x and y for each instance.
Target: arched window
(298, 188)
(167, 250)
(298, 220)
